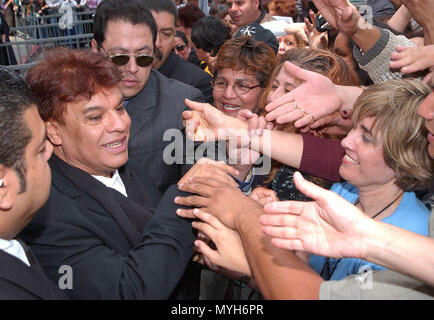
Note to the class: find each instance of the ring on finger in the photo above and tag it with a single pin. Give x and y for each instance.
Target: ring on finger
(313, 117)
(295, 105)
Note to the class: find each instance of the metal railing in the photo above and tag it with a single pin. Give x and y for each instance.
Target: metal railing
(28, 42)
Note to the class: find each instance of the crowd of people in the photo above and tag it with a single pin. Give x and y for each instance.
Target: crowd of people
(230, 149)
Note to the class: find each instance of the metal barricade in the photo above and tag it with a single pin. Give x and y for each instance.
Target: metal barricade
(41, 31)
(34, 34)
(22, 54)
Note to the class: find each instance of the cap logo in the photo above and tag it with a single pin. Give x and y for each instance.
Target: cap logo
(248, 31)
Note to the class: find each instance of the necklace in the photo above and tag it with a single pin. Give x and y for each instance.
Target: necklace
(327, 263)
(385, 208)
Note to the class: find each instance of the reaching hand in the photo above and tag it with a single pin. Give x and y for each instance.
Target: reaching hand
(341, 15)
(421, 10)
(229, 253)
(213, 169)
(263, 196)
(316, 39)
(330, 226)
(207, 123)
(219, 199)
(412, 59)
(333, 124)
(316, 97)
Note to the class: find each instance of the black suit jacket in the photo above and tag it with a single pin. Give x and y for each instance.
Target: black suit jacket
(177, 68)
(21, 282)
(77, 230)
(156, 111)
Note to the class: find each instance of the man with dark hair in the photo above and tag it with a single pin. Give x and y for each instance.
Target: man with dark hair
(126, 32)
(208, 35)
(110, 226)
(24, 187)
(167, 62)
(243, 12)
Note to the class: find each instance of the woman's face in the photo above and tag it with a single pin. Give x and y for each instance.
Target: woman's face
(181, 49)
(236, 95)
(363, 164)
(343, 49)
(286, 43)
(228, 22)
(282, 83)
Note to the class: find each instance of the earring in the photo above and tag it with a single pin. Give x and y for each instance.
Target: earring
(1, 183)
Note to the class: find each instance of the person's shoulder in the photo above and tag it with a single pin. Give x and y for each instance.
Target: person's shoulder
(172, 91)
(167, 85)
(411, 214)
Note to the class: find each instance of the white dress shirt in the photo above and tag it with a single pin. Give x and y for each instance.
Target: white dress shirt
(14, 248)
(115, 182)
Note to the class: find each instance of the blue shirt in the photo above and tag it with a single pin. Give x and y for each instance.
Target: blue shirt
(410, 214)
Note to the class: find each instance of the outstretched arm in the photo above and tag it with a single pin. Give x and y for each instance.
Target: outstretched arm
(280, 274)
(331, 226)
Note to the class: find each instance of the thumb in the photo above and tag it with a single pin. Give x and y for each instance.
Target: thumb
(347, 14)
(296, 71)
(194, 105)
(310, 189)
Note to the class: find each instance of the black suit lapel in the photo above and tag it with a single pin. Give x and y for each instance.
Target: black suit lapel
(141, 107)
(97, 197)
(31, 279)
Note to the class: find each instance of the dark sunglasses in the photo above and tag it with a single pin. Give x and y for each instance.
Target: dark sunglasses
(180, 47)
(142, 60)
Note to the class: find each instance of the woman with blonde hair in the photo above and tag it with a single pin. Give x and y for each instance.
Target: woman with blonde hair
(385, 160)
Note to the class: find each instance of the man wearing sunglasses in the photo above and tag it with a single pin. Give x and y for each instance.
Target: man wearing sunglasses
(166, 61)
(126, 32)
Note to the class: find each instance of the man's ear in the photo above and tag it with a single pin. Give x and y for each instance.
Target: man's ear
(94, 45)
(7, 192)
(53, 133)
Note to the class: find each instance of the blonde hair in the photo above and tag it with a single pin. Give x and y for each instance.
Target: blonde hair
(401, 131)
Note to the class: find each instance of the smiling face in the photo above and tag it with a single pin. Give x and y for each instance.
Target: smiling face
(229, 101)
(122, 37)
(93, 135)
(363, 165)
(426, 111)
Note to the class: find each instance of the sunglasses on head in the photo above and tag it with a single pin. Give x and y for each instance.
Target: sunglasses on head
(180, 47)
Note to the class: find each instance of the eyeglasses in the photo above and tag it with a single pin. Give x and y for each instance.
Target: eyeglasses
(180, 47)
(142, 60)
(239, 86)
